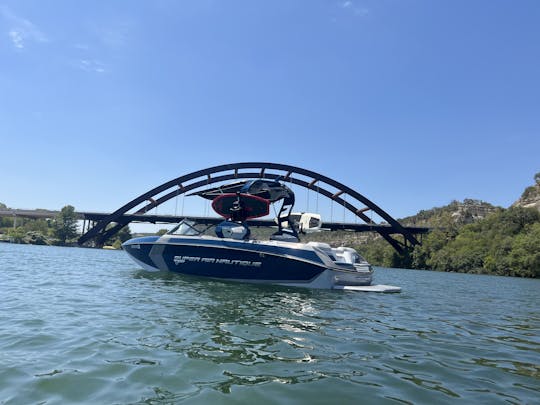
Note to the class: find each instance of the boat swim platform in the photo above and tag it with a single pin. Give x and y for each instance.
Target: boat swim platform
(379, 288)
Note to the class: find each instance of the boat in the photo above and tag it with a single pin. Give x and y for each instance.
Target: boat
(226, 250)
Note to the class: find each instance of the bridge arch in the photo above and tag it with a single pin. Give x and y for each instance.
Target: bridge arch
(332, 189)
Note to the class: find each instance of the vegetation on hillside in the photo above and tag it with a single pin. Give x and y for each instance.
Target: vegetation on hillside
(472, 237)
(505, 243)
(455, 213)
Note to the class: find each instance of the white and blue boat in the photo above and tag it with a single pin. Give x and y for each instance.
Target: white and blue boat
(230, 253)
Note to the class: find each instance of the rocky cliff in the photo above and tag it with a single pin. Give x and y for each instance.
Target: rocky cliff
(531, 196)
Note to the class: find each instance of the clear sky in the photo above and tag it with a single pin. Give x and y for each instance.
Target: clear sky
(412, 103)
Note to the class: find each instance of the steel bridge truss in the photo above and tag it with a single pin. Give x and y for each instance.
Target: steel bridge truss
(332, 189)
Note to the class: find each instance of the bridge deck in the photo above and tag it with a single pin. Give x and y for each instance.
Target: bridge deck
(172, 219)
(332, 226)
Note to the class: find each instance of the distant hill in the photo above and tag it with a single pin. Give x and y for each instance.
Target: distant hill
(457, 212)
(470, 210)
(473, 237)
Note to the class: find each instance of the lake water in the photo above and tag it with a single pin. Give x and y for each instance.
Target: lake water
(87, 326)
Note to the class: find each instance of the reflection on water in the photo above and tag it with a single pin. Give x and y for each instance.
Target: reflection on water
(367, 340)
(87, 326)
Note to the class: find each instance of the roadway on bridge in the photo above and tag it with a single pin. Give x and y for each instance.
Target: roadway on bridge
(172, 219)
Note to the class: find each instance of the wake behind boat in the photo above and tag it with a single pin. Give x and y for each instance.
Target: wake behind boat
(230, 253)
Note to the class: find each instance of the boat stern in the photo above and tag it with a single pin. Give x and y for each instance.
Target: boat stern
(362, 276)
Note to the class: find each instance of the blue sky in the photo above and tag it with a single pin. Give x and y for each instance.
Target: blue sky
(411, 103)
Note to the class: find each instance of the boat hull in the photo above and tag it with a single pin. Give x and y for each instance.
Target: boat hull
(247, 261)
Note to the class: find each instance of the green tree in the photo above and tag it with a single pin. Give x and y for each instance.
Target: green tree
(524, 257)
(65, 225)
(118, 238)
(503, 243)
(5, 222)
(124, 234)
(37, 225)
(16, 235)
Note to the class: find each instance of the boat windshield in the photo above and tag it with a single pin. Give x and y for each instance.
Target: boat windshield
(189, 228)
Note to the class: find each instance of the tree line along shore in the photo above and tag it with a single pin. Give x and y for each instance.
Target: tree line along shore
(59, 231)
(469, 237)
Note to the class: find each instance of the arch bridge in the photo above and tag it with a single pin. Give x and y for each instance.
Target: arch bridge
(337, 192)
